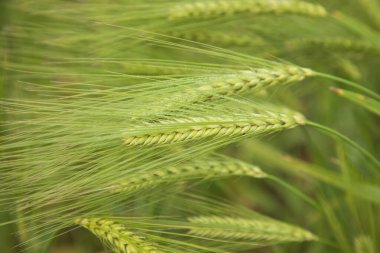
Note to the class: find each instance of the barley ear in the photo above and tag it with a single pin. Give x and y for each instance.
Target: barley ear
(219, 8)
(256, 80)
(210, 168)
(117, 237)
(201, 128)
(247, 229)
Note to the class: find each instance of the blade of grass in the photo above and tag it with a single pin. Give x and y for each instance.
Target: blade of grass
(361, 100)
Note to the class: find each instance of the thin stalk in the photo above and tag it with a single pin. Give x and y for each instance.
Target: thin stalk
(350, 83)
(295, 191)
(359, 148)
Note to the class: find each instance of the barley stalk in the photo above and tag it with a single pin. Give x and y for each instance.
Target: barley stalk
(205, 9)
(204, 168)
(183, 130)
(117, 236)
(247, 229)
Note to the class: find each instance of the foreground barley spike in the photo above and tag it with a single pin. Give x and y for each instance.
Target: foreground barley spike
(190, 129)
(117, 236)
(217, 166)
(205, 9)
(247, 229)
(214, 86)
(257, 80)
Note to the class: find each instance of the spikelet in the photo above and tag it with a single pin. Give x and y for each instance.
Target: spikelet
(117, 236)
(190, 129)
(205, 9)
(247, 229)
(203, 168)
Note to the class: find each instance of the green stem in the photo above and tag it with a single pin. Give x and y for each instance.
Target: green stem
(294, 190)
(352, 84)
(347, 140)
